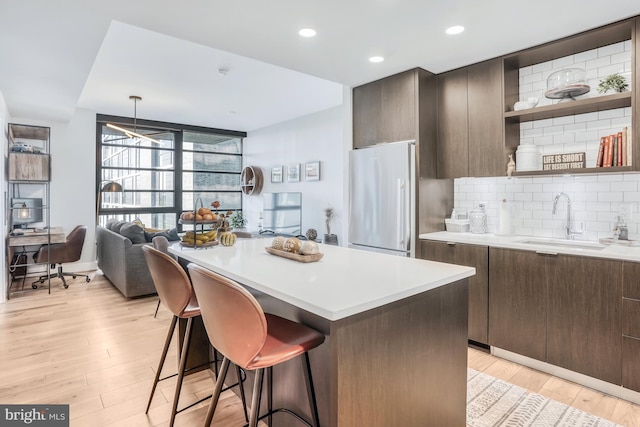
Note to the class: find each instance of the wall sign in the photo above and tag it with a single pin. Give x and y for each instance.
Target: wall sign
(554, 162)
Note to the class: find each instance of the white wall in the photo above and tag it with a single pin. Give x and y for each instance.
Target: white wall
(316, 137)
(4, 118)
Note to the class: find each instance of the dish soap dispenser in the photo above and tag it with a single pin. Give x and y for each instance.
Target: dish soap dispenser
(478, 219)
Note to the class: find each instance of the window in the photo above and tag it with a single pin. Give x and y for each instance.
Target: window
(161, 180)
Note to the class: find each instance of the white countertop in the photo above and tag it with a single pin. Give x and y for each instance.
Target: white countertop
(613, 251)
(343, 283)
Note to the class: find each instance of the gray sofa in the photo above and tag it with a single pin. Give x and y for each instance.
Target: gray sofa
(123, 263)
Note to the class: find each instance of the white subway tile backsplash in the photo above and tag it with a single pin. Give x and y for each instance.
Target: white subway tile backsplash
(537, 68)
(566, 120)
(560, 63)
(586, 56)
(596, 201)
(610, 49)
(598, 62)
(631, 197)
(610, 114)
(612, 196)
(575, 127)
(542, 123)
(611, 69)
(586, 117)
(533, 77)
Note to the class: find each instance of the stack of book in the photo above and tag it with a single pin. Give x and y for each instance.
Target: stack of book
(615, 150)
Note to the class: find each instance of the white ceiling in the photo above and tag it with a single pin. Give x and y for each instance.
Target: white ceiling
(56, 56)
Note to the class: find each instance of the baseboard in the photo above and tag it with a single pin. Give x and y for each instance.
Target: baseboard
(585, 380)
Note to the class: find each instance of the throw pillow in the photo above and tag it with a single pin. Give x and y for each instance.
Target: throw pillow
(109, 224)
(117, 226)
(171, 235)
(133, 232)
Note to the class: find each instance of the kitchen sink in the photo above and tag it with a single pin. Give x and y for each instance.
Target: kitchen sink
(574, 244)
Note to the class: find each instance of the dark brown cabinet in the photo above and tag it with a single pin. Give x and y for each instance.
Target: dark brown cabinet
(518, 301)
(631, 326)
(584, 308)
(487, 155)
(561, 309)
(471, 256)
(470, 121)
(386, 110)
(453, 130)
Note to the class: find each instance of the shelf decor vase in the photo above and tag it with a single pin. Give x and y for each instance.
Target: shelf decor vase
(330, 239)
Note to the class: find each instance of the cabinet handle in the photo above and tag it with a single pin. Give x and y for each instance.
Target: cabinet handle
(548, 253)
(451, 243)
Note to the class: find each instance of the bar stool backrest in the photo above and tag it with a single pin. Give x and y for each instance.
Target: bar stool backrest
(172, 283)
(234, 320)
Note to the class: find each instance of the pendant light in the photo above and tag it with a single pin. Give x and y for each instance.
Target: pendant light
(134, 133)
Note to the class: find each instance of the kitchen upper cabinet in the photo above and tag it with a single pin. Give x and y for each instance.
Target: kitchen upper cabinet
(518, 301)
(471, 256)
(470, 121)
(386, 110)
(487, 155)
(453, 130)
(584, 309)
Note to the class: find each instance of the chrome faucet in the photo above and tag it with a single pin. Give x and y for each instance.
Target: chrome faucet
(568, 231)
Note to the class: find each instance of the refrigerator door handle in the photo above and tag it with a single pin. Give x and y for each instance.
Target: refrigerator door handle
(401, 213)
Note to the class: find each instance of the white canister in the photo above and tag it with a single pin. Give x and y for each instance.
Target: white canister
(527, 158)
(505, 214)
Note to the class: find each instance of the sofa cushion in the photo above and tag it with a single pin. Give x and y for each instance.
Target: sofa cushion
(171, 235)
(133, 232)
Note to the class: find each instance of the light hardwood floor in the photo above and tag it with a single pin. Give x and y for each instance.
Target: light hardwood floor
(91, 348)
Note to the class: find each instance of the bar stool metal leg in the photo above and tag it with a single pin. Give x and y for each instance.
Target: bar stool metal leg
(255, 399)
(311, 391)
(242, 396)
(217, 390)
(167, 342)
(183, 364)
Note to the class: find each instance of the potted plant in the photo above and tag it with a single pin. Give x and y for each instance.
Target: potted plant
(614, 82)
(237, 220)
(330, 239)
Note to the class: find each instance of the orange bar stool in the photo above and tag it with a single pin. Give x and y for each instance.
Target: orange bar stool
(241, 331)
(177, 294)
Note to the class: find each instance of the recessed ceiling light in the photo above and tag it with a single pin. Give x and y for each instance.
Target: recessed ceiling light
(456, 29)
(376, 59)
(307, 32)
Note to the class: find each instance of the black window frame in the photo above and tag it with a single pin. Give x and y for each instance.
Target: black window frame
(177, 130)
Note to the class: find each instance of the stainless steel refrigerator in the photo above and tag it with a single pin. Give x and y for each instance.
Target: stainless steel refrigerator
(382, 198)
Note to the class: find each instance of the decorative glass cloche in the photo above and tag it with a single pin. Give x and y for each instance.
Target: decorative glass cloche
(567, 84)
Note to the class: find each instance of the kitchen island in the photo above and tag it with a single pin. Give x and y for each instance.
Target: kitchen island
(396, 331)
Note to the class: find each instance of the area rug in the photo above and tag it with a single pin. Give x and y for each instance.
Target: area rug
(495, 403)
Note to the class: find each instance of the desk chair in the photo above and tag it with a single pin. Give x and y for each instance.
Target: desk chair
(176, 293)
(239, 329)
(59, 253)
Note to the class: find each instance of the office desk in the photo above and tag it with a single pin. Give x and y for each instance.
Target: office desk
(30, 242)
(31, 238)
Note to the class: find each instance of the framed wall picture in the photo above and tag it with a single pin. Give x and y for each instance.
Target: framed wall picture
(293, 172)
(276, 174)
(312, 171)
